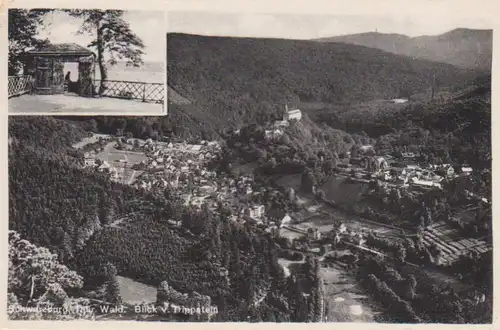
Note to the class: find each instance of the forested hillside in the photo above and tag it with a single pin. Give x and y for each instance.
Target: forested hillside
(466, 48)
(244, 80)
(182, 122)
(455, 129)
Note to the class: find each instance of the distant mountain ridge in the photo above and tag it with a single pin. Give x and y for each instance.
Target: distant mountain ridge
(466, 48)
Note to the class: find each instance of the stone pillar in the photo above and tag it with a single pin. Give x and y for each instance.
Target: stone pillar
(86, 76)
(43, 75)
(57, 83)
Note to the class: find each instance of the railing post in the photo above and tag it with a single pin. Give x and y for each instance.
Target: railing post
(144, 92)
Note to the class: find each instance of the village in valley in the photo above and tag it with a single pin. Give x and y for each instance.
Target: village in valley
(185, 168)
(314, 226)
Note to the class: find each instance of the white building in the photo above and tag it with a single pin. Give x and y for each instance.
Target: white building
(364, 149)
(286, 220)
(103, 166)
(273, 134)
(281, 123)
(196, 147)
(89, 159)
(256, 212)
(467, 170)
(426, 183)
(314, 233)
(294, 114)
(408, 155)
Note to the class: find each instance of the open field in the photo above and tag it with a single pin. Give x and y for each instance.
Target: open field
(345, 301)
(112, 155)
(89, 140)
(323, 216)
(290, 181)
(133, 292)
(127, 176)
(339, 191)
(323, 222)
(290, 234)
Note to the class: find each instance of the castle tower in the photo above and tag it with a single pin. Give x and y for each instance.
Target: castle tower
(285, 113)
(177, 180)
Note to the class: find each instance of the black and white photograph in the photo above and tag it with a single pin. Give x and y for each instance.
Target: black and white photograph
(77, 61)
(312, 168)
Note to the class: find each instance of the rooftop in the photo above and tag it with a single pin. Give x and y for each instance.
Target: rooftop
(61, 49)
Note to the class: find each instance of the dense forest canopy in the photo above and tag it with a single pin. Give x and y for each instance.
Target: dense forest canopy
(240, 80)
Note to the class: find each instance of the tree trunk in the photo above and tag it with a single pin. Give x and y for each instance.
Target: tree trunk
(32, 287)
(100, 60)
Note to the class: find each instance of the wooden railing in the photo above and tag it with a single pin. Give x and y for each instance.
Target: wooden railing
(133, 90)
(19, 85)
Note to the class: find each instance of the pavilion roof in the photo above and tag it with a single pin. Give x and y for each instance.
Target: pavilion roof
(61, 49)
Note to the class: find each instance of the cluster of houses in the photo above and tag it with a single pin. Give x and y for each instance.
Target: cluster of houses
(425, 177)
(315, 241)
(184, 167)
(177, 164)
(406, 171)
(91, 161)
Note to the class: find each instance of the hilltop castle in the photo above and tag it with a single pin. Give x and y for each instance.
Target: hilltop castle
(295, 114)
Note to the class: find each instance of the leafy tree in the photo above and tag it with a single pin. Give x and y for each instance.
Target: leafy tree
(112, 288)
(308, 181)
(92, 125)
(411, 286)
(291, 195)
(23, 28)
(37, 279)
(114, 40)
(400, 253)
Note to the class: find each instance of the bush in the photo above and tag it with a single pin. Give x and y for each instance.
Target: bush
(396, 306)
(291, 255)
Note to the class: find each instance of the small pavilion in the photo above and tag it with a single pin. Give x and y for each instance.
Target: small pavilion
(46, 65)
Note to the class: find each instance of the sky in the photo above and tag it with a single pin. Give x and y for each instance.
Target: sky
(148, 25)
(310, 26)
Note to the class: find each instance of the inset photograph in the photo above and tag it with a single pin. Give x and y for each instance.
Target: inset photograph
(77, 61)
